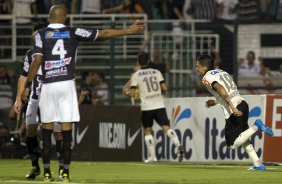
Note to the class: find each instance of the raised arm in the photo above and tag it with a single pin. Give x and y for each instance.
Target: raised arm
(223, 93)
(135, 28)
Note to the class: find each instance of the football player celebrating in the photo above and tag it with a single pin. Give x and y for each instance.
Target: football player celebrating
(235, 108)
(150, 83)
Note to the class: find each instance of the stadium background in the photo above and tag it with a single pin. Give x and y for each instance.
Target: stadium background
(182, 40)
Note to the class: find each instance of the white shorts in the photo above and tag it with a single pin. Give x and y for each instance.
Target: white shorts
(58, 102)
(31, 117)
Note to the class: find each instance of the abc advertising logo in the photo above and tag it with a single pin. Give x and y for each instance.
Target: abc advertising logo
(164, 147)
(215, 145)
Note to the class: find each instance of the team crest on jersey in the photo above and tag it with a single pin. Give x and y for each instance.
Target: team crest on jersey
(214, 72)
(54, 34)
(57, 63)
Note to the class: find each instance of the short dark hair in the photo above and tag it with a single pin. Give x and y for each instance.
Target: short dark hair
(206, 60)
(143, 58)
(39, 25)
(85, 74)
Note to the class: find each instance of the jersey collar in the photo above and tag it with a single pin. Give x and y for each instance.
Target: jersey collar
(56, 25)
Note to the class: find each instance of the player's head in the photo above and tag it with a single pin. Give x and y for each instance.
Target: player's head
(204, 63)
(58, 14)
(143, 59)
(37, 26)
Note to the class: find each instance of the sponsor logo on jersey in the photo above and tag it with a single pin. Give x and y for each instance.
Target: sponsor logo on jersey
(56, 34)
(83, 32)
(147, 72)
(57, 63)
(56, 72)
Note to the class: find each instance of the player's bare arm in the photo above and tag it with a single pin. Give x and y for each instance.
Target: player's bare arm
(18, 102)
(164, 86)
(135, 28)
(223, 93)
(31, 74)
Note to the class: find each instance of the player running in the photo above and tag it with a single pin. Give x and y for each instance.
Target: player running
(32, 119)
(55, 51)
(235, 108)
(151, 83)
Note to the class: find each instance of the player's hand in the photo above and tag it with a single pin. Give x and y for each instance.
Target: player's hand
(137, 27)
(236, 112)
(17, 106)
(210, 103)
(25, 95)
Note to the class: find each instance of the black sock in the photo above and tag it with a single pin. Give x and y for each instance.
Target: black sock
(32, 148)
(67, 138)
(46, 150)
(59, 151)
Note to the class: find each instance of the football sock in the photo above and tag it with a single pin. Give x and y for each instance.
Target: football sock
(248, 147)
(67, 139)
(244, 136)
(173, 136)
(32, 148)
(149, 141)
(59, 152)
(46, 150)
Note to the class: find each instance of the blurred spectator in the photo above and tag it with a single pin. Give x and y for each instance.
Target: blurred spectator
(205, 9)
(6, 95)
(133, 6)
(189, 9)
(101, 89)
(162, 7)
(248, 9)
(156, 63)
(280, 69)
(227, 9)
(87, 80)
(265, 71)
(23, 9)
(85, 96)
(250, 68)
(267, 9)
(5, 7)
(177, 8)
(91, 6)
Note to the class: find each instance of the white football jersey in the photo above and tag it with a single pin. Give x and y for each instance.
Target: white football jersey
(224, 79)
(148, 81)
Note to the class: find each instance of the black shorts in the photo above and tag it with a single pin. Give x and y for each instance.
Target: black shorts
(149, 116)
(236, 125)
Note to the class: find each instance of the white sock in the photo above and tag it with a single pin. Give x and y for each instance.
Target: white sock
(149, 140)
(173, 136)
(244, 136)
(248, 147)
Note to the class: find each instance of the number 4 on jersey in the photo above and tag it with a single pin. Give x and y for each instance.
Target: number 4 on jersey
(59, 49)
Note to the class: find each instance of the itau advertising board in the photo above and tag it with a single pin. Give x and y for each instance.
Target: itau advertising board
(201, 131)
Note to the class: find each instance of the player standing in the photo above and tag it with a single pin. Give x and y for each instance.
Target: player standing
(151, 83)
(55, 51)
(32, 118)
(235, 108)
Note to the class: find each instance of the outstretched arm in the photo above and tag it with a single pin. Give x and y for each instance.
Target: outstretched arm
(223, 93)
(20, 88)
(135, 28)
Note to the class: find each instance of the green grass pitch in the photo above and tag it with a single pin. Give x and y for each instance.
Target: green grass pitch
(13, 172)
